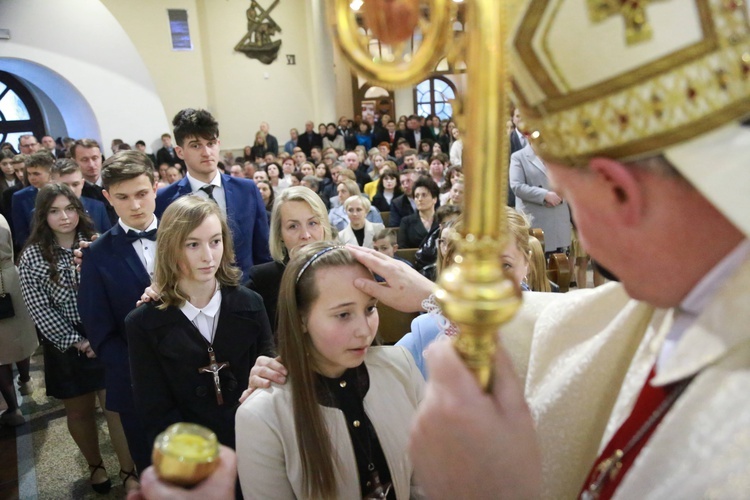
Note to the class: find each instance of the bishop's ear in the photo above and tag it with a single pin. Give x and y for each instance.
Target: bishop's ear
(622, 187)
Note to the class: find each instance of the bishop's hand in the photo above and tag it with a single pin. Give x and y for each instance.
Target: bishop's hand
(469, 444)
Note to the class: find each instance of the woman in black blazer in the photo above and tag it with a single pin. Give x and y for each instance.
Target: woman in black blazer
(299, 217)
(415, 227)
(203, 319)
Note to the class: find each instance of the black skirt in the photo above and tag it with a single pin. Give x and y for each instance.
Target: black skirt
(69, 374)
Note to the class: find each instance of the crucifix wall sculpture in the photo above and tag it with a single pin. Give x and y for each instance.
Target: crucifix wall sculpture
(258, 43)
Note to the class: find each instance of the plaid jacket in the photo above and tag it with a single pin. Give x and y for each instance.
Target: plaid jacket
(53, 306)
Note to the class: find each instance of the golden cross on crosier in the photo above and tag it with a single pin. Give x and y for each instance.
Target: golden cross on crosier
(637, 27)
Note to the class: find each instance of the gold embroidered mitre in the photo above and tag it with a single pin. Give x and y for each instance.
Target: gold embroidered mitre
(631, 79)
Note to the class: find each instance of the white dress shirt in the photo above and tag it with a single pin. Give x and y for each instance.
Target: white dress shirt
(207, 318)
(145, 248)
(218, 192)
(522, 138)
(695, 302)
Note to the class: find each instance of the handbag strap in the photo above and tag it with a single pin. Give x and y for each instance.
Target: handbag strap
(2, 284)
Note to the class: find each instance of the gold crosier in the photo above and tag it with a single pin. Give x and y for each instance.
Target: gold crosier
(474, 292)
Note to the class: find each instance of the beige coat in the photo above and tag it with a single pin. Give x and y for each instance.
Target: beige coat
(590, 356)
(17, 334)
(269, 464)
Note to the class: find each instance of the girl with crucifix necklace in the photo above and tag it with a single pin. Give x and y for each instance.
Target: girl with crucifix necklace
(191, 352)
(339, 428)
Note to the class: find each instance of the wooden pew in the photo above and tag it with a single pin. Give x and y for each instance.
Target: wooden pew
(537, 233)
(386, 218)
(407, 254)
(559, 270)
(558, 265)
(393, 324)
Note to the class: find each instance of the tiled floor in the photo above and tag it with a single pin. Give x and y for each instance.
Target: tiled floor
(39, 460)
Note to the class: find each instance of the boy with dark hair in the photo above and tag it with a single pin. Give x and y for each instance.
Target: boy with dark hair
(197, 143)
(116, 268)
(38, 168)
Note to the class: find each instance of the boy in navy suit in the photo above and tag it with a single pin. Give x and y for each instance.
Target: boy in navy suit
(116, 268)
(38, 167)
(196, 135)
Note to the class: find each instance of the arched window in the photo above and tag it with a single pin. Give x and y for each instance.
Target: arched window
(19, 112)
(433, 97)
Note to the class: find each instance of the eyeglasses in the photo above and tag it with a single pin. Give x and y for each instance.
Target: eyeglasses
(29, 145)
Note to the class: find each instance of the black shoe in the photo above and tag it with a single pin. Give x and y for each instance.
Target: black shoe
(125, 476)
(103, 487)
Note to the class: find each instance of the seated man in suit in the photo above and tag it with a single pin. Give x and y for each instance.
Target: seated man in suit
(415, 132)
(403, 205)
(116, 268)
(197, 137)
(351, 159)
(38, 169)
(88, 155)
(69, 173)
(48, 142)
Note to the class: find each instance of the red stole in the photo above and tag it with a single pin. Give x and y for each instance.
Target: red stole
(649, 401)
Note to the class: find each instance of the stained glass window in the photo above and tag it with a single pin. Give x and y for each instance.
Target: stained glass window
(434, 96)
(19, 112)
(179, 29)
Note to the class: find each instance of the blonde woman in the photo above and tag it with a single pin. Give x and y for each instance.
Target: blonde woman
(360, 231)
(204, 317)
(298, 219)
(338, 216)
(516, 262)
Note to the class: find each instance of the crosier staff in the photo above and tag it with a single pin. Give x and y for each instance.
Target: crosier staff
(474, 293)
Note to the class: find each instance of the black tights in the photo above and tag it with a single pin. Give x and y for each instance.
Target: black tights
(6, 382)
(6, 387)
(23, 367)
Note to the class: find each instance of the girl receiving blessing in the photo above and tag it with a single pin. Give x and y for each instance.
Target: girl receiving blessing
(339, 427)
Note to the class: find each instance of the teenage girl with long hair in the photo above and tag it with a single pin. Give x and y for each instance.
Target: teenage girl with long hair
(339, 427)
(49, 283)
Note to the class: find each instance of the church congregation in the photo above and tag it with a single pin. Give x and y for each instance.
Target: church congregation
(247, 289)
(259, 221)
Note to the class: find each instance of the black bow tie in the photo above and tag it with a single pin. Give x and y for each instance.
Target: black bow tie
(132, 236)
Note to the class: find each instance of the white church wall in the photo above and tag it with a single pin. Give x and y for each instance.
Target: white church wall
(77, 53)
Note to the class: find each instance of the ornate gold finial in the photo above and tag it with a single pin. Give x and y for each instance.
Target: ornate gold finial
(474, 292)
(637, 27)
